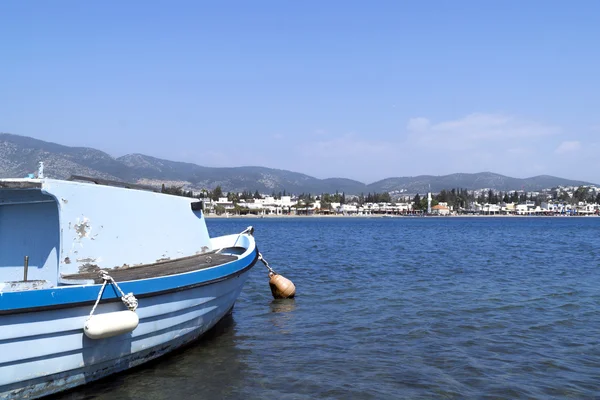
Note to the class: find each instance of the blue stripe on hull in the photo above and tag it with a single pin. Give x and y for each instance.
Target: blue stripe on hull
(65, 295)
(59, 356)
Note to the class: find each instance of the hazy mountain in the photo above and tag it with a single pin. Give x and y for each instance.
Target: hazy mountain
(19, 156)
(420, 184)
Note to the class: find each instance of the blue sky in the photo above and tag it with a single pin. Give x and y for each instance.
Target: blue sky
(354, 89)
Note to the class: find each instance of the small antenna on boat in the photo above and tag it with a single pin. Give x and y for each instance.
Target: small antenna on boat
(41, 170)
(26, 267)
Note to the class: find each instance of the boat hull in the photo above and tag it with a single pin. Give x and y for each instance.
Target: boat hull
(59, 359)
(59, 239)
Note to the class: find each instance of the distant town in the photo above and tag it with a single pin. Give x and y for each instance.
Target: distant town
(563, 201)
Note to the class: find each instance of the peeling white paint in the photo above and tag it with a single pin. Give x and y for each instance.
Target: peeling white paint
(83, 228)
(114, 226)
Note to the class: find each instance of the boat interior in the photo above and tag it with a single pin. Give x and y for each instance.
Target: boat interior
(30, 243)
(29, 226)
(162, 268)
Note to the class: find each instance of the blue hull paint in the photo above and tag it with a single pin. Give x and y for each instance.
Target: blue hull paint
(64, 227)
(11, 302)
(167, 322)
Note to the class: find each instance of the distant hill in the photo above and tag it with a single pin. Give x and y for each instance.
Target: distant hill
(482, 180)
(19, 156)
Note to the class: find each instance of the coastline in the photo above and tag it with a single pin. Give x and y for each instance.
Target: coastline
(251, 216)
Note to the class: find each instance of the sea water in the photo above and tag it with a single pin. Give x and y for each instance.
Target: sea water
(398, 308)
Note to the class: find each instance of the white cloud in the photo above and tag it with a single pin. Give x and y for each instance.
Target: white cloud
(498, 142)
(418, 124)
(475, 128)
(349, 156)
(518, 151)
(348, 145)
(506, 144)
(568, 147)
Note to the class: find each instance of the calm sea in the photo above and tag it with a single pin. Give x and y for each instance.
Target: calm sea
(415, 308)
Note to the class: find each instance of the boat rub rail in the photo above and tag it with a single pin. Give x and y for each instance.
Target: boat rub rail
(139, 296)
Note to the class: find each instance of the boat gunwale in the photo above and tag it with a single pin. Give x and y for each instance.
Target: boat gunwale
(20, 184)
(128, 286)
(127, 274)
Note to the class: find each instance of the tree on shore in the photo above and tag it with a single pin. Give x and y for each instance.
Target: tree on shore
(378, 198)
(217, 193)
(304, 203)
(176, 190)
(325, 202)
(416, 202)
(233, 197)
(456, 198)
(219, 209)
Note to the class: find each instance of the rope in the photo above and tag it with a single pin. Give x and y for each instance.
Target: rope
(250, 231)
(128, 299)
(262, 259)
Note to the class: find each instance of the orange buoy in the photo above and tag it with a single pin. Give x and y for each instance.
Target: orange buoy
(281, 287)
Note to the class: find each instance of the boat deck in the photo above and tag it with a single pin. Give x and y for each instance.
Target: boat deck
(158, 269)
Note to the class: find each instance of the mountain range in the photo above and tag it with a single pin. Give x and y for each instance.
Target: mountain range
(19, 156)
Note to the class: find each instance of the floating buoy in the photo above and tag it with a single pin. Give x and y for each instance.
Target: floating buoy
(281, 287)
(102, 326)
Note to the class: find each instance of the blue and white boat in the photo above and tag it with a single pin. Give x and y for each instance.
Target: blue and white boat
(69, 253)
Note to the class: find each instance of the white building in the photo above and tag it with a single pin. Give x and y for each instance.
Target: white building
(347, 209)
(440, 209)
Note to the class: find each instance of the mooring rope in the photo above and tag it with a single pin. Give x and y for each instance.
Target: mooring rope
(128, 299)
(250, 231)
(262, 259)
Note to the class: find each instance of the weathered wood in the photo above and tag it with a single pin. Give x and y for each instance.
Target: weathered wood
(19, 184)
(158, 269)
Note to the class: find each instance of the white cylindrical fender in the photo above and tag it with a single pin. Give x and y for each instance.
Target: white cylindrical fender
(107, 325)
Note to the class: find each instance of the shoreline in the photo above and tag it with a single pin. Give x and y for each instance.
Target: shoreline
(249, 216)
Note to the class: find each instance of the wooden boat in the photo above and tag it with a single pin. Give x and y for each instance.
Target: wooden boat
(69, 253)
